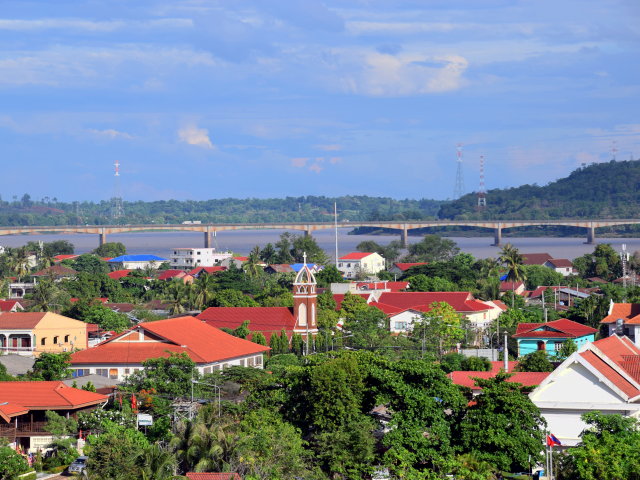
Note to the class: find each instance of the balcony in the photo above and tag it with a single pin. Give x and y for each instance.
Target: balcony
(25, 351)
(23, 429)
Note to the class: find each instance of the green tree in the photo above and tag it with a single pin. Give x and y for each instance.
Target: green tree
(252, 266)
(328, 275)
(422, 283)
(51, 366)
(48, 296)
(537, 361)
(539, 275)
(90, 264)
(113, 455)
(104, 317)
(609, 448)
(568, 347)
(110, 250)
(259, 338)
(440, 329)
(12, 464)
(268, 254)
(432, 248)
(170, 375)
(232, 298)
(157, 463)
(302, 244)
(504, 427)
(513, 261)
(297, 344)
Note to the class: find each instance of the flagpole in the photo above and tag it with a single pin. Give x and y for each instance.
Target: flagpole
(551, 462)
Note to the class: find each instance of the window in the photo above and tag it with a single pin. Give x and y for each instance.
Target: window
(216, 367)
(250, 362)
(207, 369)
(113, 373)
(43, 341)
(55, 339)
(242, 362)
(127, 371)
(558, 346)
(259, 360)
(80, 372)
(66, 339)
(102, 372)
(401, 326)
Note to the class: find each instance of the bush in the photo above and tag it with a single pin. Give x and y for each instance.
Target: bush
(452, 362)
(476, 364)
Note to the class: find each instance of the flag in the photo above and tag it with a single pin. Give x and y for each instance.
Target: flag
(134, 403)
(552, 440)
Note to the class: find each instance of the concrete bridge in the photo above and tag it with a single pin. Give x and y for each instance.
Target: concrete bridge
(402, 227)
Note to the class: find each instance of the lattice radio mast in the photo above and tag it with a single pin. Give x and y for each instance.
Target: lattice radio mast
(117, 209)
(614, 149)
(482, 194)
(458, 191)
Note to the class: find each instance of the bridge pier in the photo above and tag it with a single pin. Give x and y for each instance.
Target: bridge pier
(207, 239)
(103, 237)
(404, 237)
(497, 236)
(591, 235)
(307, 231)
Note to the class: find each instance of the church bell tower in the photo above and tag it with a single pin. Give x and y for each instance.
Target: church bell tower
(305, 300)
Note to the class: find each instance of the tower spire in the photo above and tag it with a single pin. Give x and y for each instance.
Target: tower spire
(458, 190)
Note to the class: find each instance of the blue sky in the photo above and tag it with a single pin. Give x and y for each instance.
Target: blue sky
(268, 98)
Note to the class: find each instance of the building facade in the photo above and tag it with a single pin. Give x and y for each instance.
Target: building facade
(355, 264)
(190, 258)
(549, 337)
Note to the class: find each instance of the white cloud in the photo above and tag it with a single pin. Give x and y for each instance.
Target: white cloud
(329, 148)
(299, 162)
(111, 133)
(90, 26)
(384, 75)
(198, 137)
(315, 168)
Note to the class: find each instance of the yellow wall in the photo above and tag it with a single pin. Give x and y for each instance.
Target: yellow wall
(65, 328)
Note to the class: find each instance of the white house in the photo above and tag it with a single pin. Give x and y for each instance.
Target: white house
(602, 376)
(356, 263)
(209, 347)
(624, 319)
(190, 258)
(135, 262)
(560, 265)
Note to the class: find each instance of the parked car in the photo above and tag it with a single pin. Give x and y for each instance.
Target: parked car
(79, 465)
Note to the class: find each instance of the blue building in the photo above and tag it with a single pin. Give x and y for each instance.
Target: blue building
(550, 336)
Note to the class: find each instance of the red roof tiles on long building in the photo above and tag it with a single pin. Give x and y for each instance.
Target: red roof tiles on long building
(561, 328)
(355, 255)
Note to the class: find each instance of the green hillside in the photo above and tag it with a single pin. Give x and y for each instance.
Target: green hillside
(603, 190)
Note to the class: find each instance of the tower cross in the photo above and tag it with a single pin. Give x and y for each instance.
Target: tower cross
(304, 256)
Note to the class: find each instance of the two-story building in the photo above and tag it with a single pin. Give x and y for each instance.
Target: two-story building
(31, 333)
(361, 263)
(549, 337)
(23, 406)
(624, 319)
(190, 258)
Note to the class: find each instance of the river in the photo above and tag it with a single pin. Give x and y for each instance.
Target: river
(242, 242)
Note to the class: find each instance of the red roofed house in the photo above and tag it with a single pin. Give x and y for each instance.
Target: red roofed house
(213, 476)
(31, 333)
(401, 268)
(560, 265)
(269, 320)
(467, 378)
(56, 272)
(357, 263)
(181, 275)
(210, 348)
(23, 406)
(535, 258)
(511, 286)
(206, 270)
(624, 319)
(405, 308)
(118, 274)
(603, 375)
(550, 336)
(10, 306)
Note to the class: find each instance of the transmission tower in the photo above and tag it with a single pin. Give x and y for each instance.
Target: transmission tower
(117, 209)
(482, 194)
(614, 149)
(458, 191)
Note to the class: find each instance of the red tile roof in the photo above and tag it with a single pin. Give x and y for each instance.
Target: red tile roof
(44, 396)
(460, 301)
(508, 286)
(266, 320)
(466, 379)
(167, 274)
(281, 268)
(198, 270)
(560, 263)
(355, 255)
(10, 305)
(535, 258)
(201, 342)
(55, 271)
(118, 274)
(562, 328)
(540, 290)
(241, 259)
(213, 476)
(406, 266)
(59, 258)
(610, 373)
(629, 312)
(20, 320)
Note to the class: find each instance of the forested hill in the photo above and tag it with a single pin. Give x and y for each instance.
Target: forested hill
(603, 190)
(48, 211)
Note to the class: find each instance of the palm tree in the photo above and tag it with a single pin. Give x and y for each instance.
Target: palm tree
(177, 295)
(202, 290)
(19, 262)
(511, 258)
(156, 463)
(47, 294)
(252, 266)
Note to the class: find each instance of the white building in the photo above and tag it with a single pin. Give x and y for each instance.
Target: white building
(136, 262)
(602, 376)
(209, 347)
(190, 258)
(358, 263)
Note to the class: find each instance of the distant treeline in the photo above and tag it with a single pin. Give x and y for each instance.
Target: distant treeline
(50, 211)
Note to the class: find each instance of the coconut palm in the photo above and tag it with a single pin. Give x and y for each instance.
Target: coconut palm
(252, 266)
(511, 258)
(19, 262)
(177, 295)
(156, 463)
(47, 296)
(202, 290)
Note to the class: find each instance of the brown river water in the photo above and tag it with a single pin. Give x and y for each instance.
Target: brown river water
(242, 242)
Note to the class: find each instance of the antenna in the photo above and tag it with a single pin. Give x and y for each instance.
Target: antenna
(614, 149)
(458, 191)
(624, 258)
(482, 194)
(117, 209)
